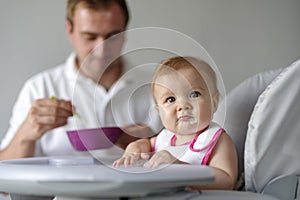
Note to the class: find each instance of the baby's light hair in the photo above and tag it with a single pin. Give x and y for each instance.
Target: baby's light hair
(180, 62)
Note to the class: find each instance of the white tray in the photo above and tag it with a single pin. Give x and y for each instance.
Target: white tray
(87, 177)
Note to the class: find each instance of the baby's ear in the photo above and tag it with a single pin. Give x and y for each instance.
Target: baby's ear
(215, 102)
(157, 107)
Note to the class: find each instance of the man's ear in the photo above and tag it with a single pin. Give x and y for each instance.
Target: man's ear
(69, 29)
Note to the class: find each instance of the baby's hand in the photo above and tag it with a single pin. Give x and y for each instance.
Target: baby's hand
(129, 159)
(161, 157)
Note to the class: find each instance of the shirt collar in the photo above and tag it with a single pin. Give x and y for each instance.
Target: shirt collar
(75, 75)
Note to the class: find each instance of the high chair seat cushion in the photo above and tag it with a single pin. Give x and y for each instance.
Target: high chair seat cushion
(272, 144)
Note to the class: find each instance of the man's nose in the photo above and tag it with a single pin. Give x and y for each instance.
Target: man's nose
(100, 48)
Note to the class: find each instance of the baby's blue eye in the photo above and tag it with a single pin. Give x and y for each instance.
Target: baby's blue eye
(170, 99)
(195, 94)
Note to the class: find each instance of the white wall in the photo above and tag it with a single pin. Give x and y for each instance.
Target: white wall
(242, 36)
(32, 38)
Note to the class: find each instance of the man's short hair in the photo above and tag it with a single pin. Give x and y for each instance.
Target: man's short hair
(95, 4)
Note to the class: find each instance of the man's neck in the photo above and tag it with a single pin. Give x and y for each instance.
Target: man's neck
(108, 77)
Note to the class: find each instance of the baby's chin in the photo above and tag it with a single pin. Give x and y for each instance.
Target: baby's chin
(187, 129)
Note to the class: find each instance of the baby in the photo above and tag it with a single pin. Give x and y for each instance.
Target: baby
(186, 96)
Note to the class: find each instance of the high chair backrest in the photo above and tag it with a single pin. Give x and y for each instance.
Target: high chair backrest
(272, 149)
(236, 108)
(262, 115)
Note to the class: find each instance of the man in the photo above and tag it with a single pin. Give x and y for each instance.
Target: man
(88, 83)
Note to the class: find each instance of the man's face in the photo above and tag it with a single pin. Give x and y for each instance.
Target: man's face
(94, 33)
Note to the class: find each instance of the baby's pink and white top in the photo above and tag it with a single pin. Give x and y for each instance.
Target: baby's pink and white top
(196, 151)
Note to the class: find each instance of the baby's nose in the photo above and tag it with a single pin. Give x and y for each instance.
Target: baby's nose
(183, 105)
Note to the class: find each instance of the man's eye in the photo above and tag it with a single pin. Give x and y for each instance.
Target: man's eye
(195, 94)
(170, 99)
(90, 38)
(113, 37)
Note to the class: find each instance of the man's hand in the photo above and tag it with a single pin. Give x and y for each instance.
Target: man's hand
(133, 132)
(44, 115)
(138, 130)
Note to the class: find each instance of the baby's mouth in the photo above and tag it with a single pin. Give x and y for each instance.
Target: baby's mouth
(186, 118)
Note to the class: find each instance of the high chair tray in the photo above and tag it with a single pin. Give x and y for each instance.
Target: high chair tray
(88, 177)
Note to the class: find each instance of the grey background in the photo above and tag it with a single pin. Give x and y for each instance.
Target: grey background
(243, 37)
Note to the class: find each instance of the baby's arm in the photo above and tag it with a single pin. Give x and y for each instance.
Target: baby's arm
(135, 151)
(162, 157)
(223, 160)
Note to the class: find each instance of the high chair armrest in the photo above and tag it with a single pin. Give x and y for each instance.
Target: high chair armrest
(283, 187)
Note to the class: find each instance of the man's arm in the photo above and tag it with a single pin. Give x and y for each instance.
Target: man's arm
(132, 133)
(44, 115)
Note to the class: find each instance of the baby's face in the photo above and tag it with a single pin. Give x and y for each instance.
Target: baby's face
(183, 101)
